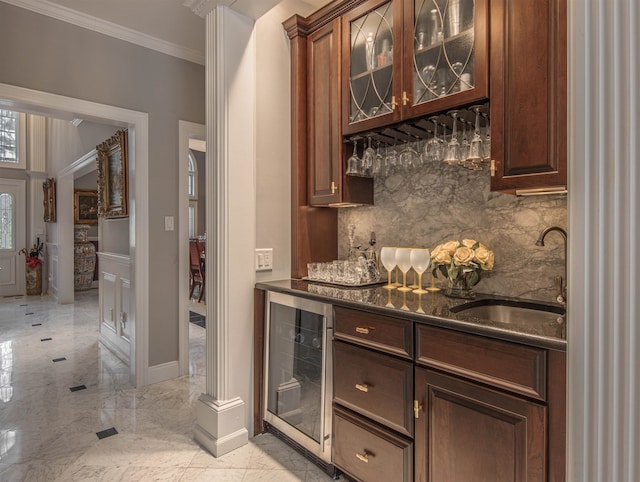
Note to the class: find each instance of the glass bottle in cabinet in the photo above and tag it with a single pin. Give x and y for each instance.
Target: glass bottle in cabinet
(448, 39)
(370, 39)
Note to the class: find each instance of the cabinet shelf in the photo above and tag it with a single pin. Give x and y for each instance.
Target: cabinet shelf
(367, 73)
(434, 47)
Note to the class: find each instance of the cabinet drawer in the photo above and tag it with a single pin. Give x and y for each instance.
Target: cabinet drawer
(369, 453)
(517, 368)
(381, 332)
(375, 385)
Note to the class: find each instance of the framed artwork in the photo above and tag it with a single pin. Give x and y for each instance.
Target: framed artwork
(112, 176)
(85, 207)
(49, 202)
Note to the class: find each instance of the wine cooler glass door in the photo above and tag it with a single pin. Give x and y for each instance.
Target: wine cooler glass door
(297, 402)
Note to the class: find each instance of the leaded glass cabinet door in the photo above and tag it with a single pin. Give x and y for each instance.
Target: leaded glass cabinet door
(448, 65)
(372, 65)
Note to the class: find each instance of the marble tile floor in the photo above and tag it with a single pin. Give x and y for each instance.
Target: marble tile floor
(48, 432)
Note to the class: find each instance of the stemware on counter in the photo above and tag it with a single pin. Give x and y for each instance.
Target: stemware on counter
(404, 259)
(459, 141)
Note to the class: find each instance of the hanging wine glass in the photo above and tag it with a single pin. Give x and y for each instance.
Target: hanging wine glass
(476, 147)
(367, 160)
(487, 139)
(388, 260)
(434, 148)
(391, 158)
(464, 145)
(452, 151)
(378, 162)
(420, 261)
(353, 163)
(408, 155)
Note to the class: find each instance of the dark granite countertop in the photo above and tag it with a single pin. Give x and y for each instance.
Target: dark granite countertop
(431, 308)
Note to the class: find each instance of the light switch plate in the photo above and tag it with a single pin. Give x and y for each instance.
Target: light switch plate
(168, 223)
(264, 259)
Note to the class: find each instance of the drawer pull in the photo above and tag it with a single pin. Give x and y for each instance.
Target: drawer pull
(416, 408)
(364, 329)
(363, 387)
(364, 457)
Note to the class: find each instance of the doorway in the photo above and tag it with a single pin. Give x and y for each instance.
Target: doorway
(191, 136)
(21, 99)
(12, 236)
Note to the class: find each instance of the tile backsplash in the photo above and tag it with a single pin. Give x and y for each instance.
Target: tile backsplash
(438, 202)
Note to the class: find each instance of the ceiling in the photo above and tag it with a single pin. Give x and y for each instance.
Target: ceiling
(172, 22)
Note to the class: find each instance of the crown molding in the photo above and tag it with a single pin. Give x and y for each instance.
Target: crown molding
(105, 27)
(249, 8)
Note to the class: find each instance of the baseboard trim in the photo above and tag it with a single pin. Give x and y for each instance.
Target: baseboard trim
(163, 372)
(219, 425)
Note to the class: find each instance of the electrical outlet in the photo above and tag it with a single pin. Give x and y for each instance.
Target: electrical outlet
(264, 259)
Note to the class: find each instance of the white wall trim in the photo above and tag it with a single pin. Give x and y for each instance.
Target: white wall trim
(186, 132)
(164, 371)
(138, 122)
(65, 14)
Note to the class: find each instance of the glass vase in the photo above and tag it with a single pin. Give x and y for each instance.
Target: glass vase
(461, 285)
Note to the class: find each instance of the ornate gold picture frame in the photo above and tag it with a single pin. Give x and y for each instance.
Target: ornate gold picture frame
(85, 207)
(49, 202)
(112, 176)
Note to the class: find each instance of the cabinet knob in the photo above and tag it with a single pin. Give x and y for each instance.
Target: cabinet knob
(416, 408)
(405, 98)
(364, 457)
(363, 387)
(393, 102)
(334, 188)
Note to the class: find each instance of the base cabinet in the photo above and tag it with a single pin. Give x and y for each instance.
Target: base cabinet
(368, 452)
(437, 405)
(466, 432)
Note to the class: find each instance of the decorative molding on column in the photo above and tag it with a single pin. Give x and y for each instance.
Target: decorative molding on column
(37, 145)
(220, 417)
(220, 426)
(603, 420)
(250, 8)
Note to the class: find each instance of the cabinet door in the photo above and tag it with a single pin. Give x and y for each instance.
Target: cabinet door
(528, 94)
(325, 146)
(445, 61)
(372, 51)
(467, 433)
(328, 185)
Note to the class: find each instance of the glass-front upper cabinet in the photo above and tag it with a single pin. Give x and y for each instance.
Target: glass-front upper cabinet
(448, 42)
(372, 59)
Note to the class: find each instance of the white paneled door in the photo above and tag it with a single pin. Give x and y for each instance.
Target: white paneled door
(12, 236)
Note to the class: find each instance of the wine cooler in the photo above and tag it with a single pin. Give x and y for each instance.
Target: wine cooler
(298, 374)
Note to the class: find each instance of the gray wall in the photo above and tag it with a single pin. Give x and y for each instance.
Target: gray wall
(425, 207)
(48, 55)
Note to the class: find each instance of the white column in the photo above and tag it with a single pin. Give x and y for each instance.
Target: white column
(223, 412)
(603, 406)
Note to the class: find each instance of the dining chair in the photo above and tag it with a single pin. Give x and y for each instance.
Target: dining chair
(196, 268)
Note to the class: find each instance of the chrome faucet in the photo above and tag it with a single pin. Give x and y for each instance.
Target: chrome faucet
(561, 285)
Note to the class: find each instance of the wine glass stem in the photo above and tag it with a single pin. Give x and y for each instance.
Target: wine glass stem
(404, 279)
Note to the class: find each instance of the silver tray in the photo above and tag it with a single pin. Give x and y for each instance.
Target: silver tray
(343, 285)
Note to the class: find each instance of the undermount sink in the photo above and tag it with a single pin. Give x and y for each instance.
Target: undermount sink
(511, 311)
